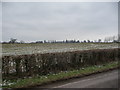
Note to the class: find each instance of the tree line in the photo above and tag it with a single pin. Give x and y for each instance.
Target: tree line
(114, 39)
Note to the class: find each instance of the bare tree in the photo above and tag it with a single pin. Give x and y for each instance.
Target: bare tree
(12, 40)
(22, 41)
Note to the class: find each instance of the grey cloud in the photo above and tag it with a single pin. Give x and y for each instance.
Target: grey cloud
(39, 21)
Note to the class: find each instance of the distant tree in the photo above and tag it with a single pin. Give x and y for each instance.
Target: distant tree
(91, 41)
(84, 41)
(115, 41)
(39, 41)
(111, 38)
(88, 41)
(12, 40)
(45, 41)
(66, 41)
(77, 41)
(106, 40)
(74, 41)
(99, 40)
(95, 41)
(22, 41)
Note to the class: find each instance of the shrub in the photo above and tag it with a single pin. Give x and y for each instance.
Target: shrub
(19, 66)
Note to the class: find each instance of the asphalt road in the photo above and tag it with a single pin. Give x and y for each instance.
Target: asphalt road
(102, 80)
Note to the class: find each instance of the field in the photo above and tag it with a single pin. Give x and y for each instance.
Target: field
(32, 60)
(21, 49)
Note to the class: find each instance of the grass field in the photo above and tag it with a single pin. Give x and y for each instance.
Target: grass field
(20, 49)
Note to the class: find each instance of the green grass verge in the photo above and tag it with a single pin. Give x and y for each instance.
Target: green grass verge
(39, 80)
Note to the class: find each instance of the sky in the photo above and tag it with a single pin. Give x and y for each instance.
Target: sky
(35, 21)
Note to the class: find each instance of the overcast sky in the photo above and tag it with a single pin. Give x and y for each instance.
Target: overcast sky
(59, 21)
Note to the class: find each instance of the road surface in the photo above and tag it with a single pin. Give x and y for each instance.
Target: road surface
(102, 80)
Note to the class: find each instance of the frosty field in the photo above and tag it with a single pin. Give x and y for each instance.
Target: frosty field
(20, 49)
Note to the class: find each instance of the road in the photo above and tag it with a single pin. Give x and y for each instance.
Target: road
(102, 80)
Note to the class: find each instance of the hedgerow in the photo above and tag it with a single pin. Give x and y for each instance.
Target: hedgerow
(20, 66)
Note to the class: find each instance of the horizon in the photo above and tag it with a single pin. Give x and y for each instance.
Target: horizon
(106, 39)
